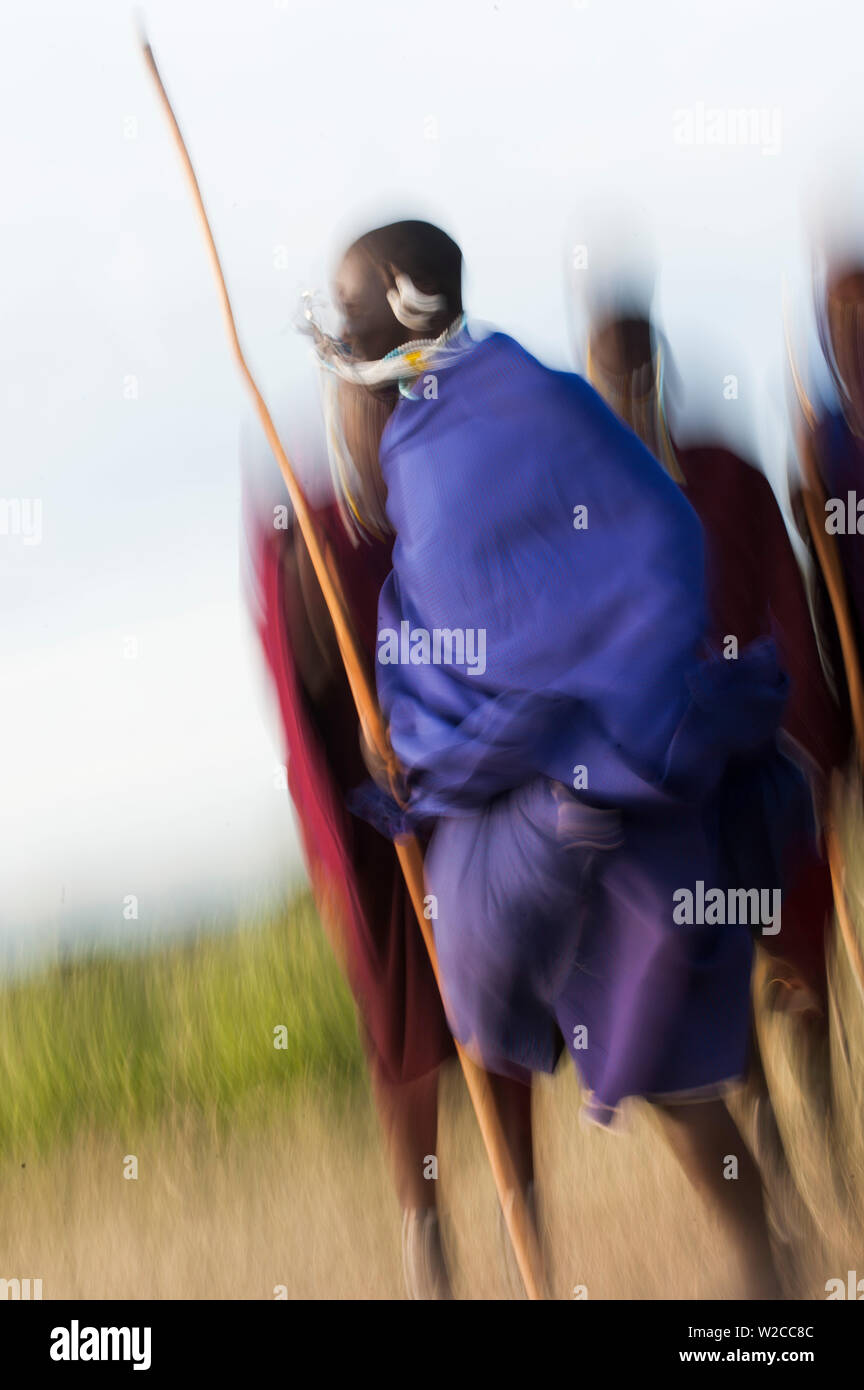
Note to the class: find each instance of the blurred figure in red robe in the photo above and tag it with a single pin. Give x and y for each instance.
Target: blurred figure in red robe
(755, 588)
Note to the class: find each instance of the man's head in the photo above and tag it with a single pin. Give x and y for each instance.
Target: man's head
(621, 364)
(622, 345)
(397, 283)
(844, 316)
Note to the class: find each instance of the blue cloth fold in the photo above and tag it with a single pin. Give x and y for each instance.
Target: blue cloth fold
(589, 630)
(525, 510)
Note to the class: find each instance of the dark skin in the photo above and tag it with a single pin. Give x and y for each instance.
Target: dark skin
(845, 314)
(370, 329)
(363, 415)
(369, 326)
(623, 371)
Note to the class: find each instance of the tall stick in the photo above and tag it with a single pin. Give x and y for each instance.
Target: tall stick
(828, 560)
(519, 1224)
(813, 495)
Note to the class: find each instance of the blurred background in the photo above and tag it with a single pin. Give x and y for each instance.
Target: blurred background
(136, 750)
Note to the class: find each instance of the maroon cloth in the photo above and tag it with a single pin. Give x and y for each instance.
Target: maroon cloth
(354, 872)
(755, 587)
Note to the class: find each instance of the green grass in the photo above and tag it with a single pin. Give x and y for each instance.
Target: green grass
(117, 1042)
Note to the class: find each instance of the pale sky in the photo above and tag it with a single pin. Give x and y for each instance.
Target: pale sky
(527, 130)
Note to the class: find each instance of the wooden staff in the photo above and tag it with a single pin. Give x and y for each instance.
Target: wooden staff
(519, 1223)
(828, 559)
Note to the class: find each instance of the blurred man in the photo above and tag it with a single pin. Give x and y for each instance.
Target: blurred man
(539, 661)
(755, 589)
(355, 875)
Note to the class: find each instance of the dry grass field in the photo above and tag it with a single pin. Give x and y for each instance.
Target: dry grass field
(260, 1170)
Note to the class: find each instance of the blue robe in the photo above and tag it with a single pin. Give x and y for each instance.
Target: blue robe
(575, 774)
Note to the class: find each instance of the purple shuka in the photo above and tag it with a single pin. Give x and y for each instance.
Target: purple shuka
(540, 663)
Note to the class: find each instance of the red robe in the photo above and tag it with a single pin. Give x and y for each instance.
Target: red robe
(354, 872)
(755, 587)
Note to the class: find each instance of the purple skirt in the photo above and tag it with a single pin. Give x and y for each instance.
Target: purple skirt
(556, 918)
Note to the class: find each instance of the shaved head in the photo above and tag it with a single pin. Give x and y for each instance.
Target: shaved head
(382, 261)
(623, 345)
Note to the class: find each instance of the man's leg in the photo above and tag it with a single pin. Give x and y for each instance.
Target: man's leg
(513, 1101)
(408, 1113)
(703, 1138)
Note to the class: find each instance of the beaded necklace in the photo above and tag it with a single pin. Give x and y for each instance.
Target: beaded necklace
(402, 367)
